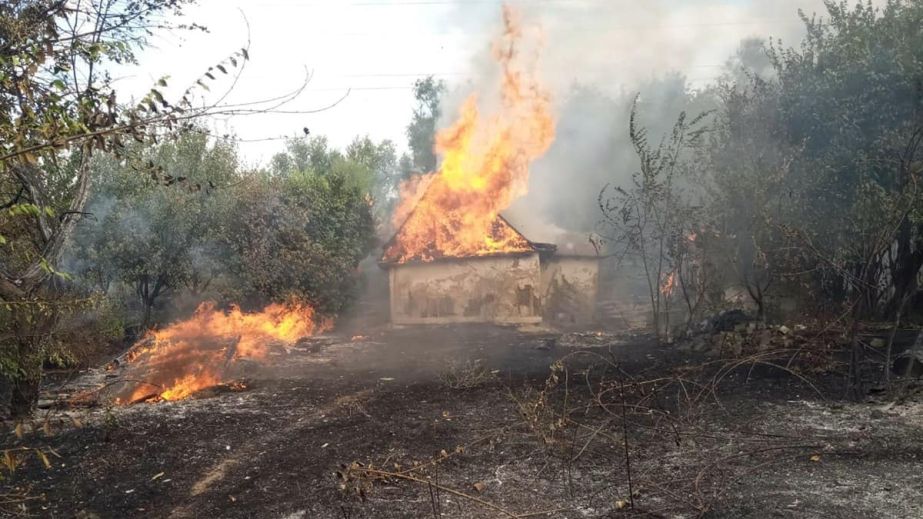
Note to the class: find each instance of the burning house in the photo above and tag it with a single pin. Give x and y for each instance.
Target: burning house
(523, 283)
(454, 258)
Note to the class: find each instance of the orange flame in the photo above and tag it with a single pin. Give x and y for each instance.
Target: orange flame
(485, 167)
(175, 362)
(668, 285)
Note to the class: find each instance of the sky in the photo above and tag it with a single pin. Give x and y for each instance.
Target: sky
(367, 53)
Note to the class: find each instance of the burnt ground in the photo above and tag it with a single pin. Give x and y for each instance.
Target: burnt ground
(481, 422)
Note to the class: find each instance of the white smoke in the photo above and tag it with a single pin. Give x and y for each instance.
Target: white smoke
(596, 55)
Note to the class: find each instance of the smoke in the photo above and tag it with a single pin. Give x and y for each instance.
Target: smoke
(596, 56)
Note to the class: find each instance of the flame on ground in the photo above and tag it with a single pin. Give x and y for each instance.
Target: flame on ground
(194, 354)
(485, 167)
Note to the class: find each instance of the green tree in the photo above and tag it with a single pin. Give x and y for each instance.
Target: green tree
(304, 154)
(301, 229)
(421, 132)
(154, 234)
(298, 236)
(816, 164)
(746, 159)
(372, 167)
(381, 163)
(58, 107)
(850, 99)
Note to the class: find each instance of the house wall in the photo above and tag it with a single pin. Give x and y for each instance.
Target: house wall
(504, 290)
(570, 286)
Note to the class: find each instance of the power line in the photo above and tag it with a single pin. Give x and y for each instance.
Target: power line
(354, 89)
(389, 3)
(420, 74)
(443, 74)
(410, 87)
(581, 29)
(411, 3)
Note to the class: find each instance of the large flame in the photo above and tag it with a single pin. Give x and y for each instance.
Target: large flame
(187, 356)
(485, 167)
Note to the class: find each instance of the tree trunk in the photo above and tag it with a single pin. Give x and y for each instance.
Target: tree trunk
(907, 264)
(6, 397)
(19, 397)
(24, 396)
(852, 380)
(146, 316)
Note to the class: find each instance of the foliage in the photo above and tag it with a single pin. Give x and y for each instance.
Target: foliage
(372, 167)
(421, 132)
(381, 161)
(651, 221)
(850, 98)
(58, 108)
(216, 232)
(746, 158)
(301, 235)
(807, 180)
(151, 234)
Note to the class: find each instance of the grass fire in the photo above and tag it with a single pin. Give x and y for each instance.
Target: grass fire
(461, 258)
(174, 362)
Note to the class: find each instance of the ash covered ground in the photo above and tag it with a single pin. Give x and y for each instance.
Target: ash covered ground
(483, 422)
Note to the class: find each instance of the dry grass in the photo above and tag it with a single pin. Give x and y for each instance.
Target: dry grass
(470, 374)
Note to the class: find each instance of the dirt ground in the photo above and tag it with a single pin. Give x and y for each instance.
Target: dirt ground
(481, 422)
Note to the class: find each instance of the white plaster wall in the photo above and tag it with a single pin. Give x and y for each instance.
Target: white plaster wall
(570, 287)
(503, 290)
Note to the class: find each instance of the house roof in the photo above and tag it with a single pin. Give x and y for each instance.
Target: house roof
(392, 252)
(576, 245)
(567, 243)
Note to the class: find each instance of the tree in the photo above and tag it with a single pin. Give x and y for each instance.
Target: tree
(57, 108)
(381, 162)
(219, 233)
(746, 159)
(820, 157)
(304, 154)
(373, 167)
(300, 230)
(298, 236)
(816, 164)
(421, 132)
(152, 236)
(851, 98)
(750, 62)
(652, 219)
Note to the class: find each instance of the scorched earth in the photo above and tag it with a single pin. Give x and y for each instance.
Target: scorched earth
(480, 422)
